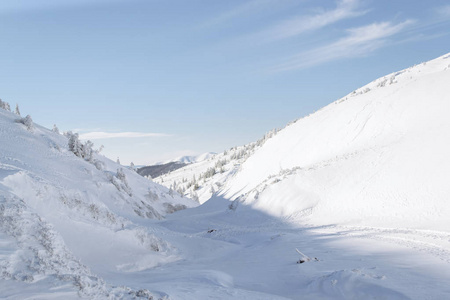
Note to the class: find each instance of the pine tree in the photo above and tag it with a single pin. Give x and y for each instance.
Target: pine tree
(17, 111)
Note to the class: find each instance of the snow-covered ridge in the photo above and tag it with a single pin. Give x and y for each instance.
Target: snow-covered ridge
(205, 176)
(188, 159)
(64, 219)
(375, 157)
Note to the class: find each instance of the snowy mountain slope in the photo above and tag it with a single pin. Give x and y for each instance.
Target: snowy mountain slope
(62, 220)
(204, 177)
(361, 185)
(188, 159)
(378, 157)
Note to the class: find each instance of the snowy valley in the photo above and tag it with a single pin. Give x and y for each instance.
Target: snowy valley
(351, 202)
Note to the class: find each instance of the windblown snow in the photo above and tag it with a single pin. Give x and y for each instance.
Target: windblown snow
(63, 221)
(351, 202)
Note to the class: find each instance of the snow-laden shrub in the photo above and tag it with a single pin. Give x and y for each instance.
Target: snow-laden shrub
(78, 148)
(170, 208)
(5, 105)
(120, 182)
(27, 121)
(55, 129)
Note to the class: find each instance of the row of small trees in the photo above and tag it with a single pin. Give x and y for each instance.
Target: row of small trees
(5, 105)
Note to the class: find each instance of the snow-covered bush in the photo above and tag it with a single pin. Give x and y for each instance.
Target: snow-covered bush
(170, 208)
(122, 177)
(5, 105)
(210, 172)
(27, 121)
(55, 129)
(78, 148)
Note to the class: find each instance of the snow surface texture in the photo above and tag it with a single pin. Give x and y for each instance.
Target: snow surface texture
(348, 203)
(371, 165)
(62, 220)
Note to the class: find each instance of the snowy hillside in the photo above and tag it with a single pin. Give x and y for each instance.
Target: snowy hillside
(359, 188)
(206, 175)
(378, 157)
(350, 202)
(64, 221)
(375, 157)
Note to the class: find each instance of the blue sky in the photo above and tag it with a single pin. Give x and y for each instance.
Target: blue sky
(156, 79)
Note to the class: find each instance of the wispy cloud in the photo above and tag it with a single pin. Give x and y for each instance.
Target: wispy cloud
(289, 28)
(358, 42)
(444, 11)
(250, 7)
(97, 135)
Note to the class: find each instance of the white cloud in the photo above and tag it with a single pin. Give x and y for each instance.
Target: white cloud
(359, 41)
(444, 11)
(344, 9)
(97, 135)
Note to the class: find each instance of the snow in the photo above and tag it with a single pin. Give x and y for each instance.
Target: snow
(188, 159)
(372, 165)
(377, 158)
(67, 218)
(350, 202)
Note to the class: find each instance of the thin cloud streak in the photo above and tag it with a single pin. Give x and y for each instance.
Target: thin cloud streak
(97, 135)
(444, 11)
(345, 9)
(245, 9)
(359, 42)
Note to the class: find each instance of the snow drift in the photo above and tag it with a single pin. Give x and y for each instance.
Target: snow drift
(64, 221)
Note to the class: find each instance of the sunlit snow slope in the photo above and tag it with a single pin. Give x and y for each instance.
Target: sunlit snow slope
(64, 223)
(378, 157)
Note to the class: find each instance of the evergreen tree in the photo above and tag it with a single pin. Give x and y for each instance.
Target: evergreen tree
(17, 111)
(55, 129)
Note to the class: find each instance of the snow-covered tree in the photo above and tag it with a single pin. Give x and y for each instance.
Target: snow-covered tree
(121, 175)
(55, 129)
(195, 197)
(74, 143)
(118, 161)
(5, 105)
(87, 151)
(17, 110)
(132, 167)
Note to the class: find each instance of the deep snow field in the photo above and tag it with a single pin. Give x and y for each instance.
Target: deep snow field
(351, 202)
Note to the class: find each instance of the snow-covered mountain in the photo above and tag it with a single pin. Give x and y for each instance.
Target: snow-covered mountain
(188, 159)
(376, 157)
(350, 202)
(361, 184)
(64, 221)
(201, 179)
(359, 188)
